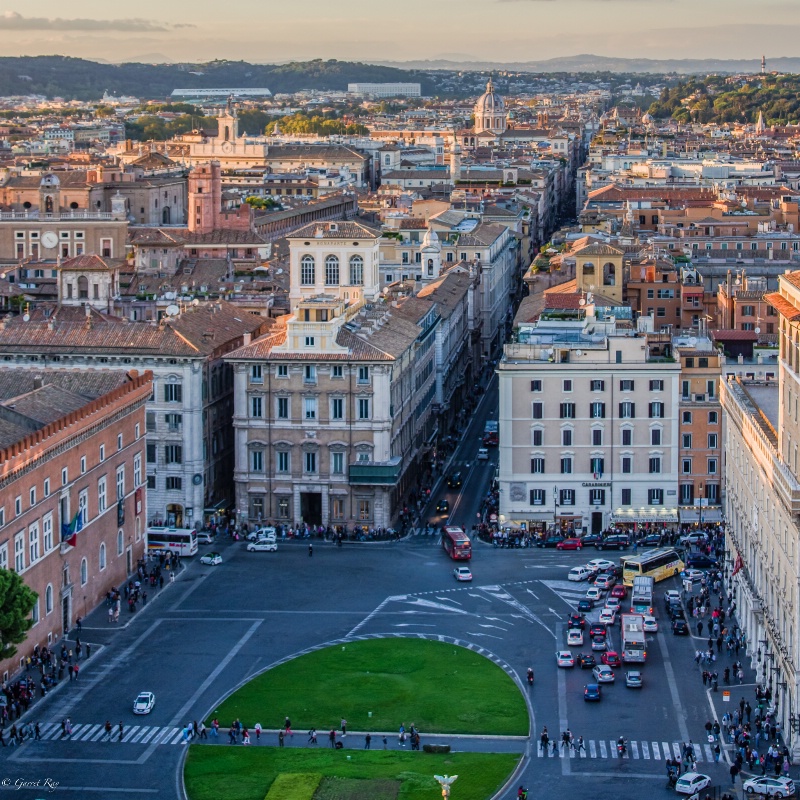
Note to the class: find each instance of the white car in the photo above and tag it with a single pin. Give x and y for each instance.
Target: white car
(579, 574)
(613, 602)
(693, 574)
(262, 533)
(262, 545)
(205, 537)
(462, 574)
(594, 594)
(691, 782)
(211, 558)
(564, 658)
(650, 624)
(672, 596)
(603, 674)
(600, 564)
(144, 703)
(769, 786)
(574, 637)
(608, 616)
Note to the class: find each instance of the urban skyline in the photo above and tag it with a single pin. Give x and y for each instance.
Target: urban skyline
(541, 29)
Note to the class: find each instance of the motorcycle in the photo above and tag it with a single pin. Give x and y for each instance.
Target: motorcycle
(621, 748)
(530, 677)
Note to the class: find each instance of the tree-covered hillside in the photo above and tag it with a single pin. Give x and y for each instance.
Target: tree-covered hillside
(79, 79)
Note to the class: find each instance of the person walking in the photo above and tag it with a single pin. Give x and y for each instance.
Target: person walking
(77, 670)
(78, 624)
(368, 741)
(579, 745)
(257, 729)
(332, 738)
(310, 549)
(202, 730)
(38, 733)
(402, 736)
(121, 731)
(312, 736)
(344, 727)
(287, 727)
(215, 728)
(108, 729)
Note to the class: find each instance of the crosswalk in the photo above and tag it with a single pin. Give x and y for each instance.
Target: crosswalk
(647, 751)
(134, 734)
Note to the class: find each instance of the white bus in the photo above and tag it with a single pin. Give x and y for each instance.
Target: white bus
(182, 541)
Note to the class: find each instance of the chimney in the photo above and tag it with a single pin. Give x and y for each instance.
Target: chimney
(38, 382)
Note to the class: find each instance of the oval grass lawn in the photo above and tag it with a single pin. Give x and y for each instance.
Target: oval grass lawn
(438, 687)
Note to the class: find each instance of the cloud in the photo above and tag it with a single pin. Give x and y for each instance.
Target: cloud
(11, 20)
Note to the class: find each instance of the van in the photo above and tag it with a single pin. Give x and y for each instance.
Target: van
(262, 533)
(579, 574)
(483, 454)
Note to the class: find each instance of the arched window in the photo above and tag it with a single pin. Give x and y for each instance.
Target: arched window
(165, 215)
(84, 572)
(331, 271)
(102, 556)
(356, 271)
(83, 287)
(430, 267)
(48, 598)
(307, 271)
(120, 542)
(48, 205)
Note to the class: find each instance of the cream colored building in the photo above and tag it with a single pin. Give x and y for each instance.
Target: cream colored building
(762, 501)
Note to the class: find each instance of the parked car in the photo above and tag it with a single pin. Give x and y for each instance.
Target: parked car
(592, 538)
(651, 540)
(573, 543)
(693, 538)
(554, 540)
(262, 533)
(616, 541)
(205, 537)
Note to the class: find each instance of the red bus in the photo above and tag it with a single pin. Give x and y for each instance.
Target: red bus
(456, 543)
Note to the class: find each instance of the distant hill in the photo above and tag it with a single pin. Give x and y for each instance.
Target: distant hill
(591, 63)
(79, 79)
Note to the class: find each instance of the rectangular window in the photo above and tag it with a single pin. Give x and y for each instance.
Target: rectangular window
(46, 487)
(566, 497)
(337, 372)
(712, 418)
(567, 387)
(174, 483)
(47, 533)
(256, 460)
(309, 373)
(597, 465)
(19, 552)
(119, 442)
(337, 463)
(597, 437)
(283, 507)
(32, 496)
(597, 410)
(712, 441)
(102, 453)
(33, 543)
(101, 496)
(597, 497)
(310, 407)
(283, 408)
(337, 508)
(282, 371)
(712, 493)
(626, 497)
(173, 454)
(687, 418)
(538, 410)
(83, 464)
(655, 497)
(566, 437)
(337, 408)
(310, 462)
(567, 411)
(173, 393)
(536, 386)
(627, 465)
(364, 506)
(655, 436)
(363, 375)
(626, 385)
(151, 481)
(685, 391)
(627, 410)
(283, 460)
(686, 493)
(256, 407)
(598, 386)
(256, 375)
(538, 497)
(712, 466)
(120, 483)
(537, 465)
(656, 410)
(17, 506)
(711, 388)
(137, 470)
(686, 466)
(686, 441)
(566, 465)
(310, 341)
(363, 408)
(627, 437)
(538, 437)
(655, 465)
(151, 452)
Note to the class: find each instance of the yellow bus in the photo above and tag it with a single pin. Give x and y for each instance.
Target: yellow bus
(659, 564)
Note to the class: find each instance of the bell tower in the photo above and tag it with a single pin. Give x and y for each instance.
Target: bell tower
(228, 122)
(50, 194)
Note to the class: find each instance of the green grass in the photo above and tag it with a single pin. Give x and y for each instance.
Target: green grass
(294, 786)
(247, 773)
(438, 687)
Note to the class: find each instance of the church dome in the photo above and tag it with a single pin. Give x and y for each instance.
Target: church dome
(431, 240)
(489, 102)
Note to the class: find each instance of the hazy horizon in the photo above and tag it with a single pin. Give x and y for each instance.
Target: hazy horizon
(488, 30)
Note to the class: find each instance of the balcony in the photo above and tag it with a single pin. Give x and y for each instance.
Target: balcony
(376, 473)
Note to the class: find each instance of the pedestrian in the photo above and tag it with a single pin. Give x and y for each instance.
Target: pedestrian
(717, 752)
(215, 728)
(144, 599)
(368, 740)
(287, 727)
(88, 651)
(332, 738)
(310, 549)
(71, 671)
(312, 736)
(385, 742)
(195, 730)
(38, 731)
(402, 736)
(121, 731)
(203, 731)
(78, 624)
(77, 670)
(734, 771)
(344, 727)
(579, 745)
(172, 576)
(257, 729)
(246, 737)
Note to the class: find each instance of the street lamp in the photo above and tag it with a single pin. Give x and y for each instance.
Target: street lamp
(555, 508)
(700, 492)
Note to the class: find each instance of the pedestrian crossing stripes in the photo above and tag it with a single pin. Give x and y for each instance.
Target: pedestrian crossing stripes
(135, 734)
(636, 750)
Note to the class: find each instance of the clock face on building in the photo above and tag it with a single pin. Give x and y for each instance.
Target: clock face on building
(49, 240)
(227, 147)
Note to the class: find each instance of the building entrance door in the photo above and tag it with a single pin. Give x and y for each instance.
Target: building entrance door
(597, 521)
(65, 615)
(311, 507)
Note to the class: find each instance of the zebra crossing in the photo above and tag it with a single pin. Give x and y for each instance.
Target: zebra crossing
(641, 750)
(135, 734)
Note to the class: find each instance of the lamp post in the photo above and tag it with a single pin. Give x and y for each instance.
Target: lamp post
(700, 493)
(555, 508)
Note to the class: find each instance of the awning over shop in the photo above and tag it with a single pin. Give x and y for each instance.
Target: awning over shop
(689, 515)
(667, 515)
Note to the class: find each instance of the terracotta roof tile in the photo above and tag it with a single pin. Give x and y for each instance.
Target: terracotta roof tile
(783, 306)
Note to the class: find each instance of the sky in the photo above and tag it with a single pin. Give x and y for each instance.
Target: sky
(269, 31)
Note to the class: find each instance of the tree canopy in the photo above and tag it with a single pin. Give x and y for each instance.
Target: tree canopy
(16, 603)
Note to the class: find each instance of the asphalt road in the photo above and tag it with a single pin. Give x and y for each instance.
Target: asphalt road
(217, 626)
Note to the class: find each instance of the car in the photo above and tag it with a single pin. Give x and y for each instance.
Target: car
(462, 574)
(701, 562)
(603, 674)
(454, 481)
(443, 506)
(616, 541)
(650, 624)
(671, 596)
(554, 540)
(579, 574)
(211, 558)
(594, 594)
(572, 543)
(262, 533)
(693, 538)
(599, 643)
(574, 637)
(262, 546)
(144, 703)
(600, 564)
(605, 581)
(613, 602)
(692, 574)
(597, 629)
(651, 540)
(615, 571)
(608, 616)
(205, 537)
(611, 658)
(591, 693)
(676, 613)
(586, 660)
(564, 658)
(576, 621)
(691, 783)
(633, 679)
(591, 538)
(770, 786)
(680, 627)
(620, 591)
(483, 454)
(585, 606)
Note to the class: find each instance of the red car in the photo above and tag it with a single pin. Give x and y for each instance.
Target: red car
(611, 659)
(570, 544)
(620, 591)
